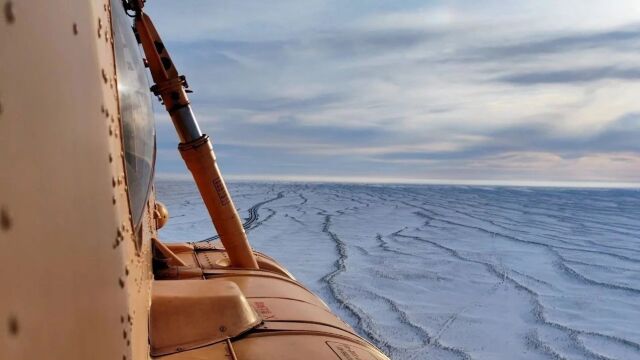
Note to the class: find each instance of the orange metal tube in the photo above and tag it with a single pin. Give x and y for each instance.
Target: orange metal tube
(201, 161)
(195, 147)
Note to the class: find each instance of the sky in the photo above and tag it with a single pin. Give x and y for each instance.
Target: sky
(446, 91)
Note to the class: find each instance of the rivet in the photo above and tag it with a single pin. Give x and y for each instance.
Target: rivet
(124, 357)
(99, 27)
(113, 182)
(114, 199)
(126, 271)
(121, 283)
(104, 76)
(8, 12)
(124, 334)
(5, 219)
(110, 130)
(75, 29)
(106, 112)
(222, 328)
(14, 328)
(122, 319)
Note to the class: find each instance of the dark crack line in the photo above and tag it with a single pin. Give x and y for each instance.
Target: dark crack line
(553, 249)
(365, 325)
(538, 308)
(254, 216)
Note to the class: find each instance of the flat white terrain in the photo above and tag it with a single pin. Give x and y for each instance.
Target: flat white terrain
(451, 272)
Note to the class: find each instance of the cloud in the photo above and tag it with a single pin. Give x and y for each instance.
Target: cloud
(371, 42)
(277, 103)
(572, 76)
(619, 39)
(498, 89)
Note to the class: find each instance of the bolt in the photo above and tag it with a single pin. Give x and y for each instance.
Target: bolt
(13, 325)
(8, 12)
(5, 220)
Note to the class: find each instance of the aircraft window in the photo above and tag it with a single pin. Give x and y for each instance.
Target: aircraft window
(138, 132)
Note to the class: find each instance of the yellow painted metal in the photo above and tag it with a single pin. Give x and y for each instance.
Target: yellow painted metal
(168, 256)
(75, 286)
(295, 322)
(187, 314)
(160, 214)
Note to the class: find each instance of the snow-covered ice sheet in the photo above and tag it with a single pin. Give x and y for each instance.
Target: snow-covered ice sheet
(451, 272)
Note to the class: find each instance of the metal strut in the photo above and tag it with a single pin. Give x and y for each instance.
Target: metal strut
(195, 147)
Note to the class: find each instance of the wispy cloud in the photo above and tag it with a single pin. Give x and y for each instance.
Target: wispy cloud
(572, 76)
(465, 89)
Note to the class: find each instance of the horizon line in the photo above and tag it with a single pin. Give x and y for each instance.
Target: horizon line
(412, 181)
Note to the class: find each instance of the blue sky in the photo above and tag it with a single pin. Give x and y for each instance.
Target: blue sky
(538, 91)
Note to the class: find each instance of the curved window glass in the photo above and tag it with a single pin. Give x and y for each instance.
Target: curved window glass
(138, 132)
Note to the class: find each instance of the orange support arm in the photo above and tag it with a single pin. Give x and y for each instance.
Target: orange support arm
(195, 147)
